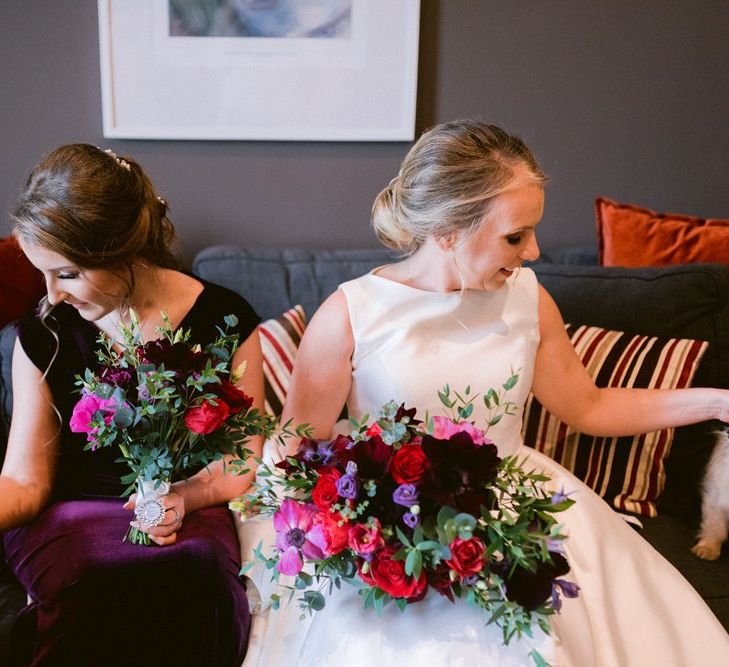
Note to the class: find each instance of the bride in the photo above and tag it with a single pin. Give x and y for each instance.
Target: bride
(460, 310)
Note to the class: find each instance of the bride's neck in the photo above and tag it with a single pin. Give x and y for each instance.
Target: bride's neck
(429, 269)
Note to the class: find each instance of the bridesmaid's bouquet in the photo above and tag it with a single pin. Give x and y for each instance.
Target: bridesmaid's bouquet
(401, 507)
(171, 408)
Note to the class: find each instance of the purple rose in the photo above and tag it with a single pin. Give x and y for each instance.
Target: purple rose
(410, 520)
(405, 495)
(348, 487)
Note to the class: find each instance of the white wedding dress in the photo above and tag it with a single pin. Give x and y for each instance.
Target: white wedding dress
(634, 608)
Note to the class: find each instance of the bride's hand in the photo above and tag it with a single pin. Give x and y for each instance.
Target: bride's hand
(166, 532)
(722, 410)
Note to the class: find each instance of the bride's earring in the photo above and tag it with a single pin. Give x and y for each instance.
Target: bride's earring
(461, 279)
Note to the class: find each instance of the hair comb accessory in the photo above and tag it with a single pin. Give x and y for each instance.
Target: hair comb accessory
(120, 161)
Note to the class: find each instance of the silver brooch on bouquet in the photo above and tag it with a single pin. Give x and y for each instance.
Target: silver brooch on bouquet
(150, 512)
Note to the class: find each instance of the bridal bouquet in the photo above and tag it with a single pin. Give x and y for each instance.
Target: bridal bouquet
(170, 407)
(400, 507)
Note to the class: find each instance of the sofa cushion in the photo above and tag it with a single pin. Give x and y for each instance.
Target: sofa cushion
(280, 338)
(633, 236)
(21, 283)
(687, 301)
(274, 279)
(627, 471)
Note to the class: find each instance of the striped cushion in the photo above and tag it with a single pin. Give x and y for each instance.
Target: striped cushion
(629, 471)
(280, 339)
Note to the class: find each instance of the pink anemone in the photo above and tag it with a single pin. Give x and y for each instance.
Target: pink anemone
(297, 535)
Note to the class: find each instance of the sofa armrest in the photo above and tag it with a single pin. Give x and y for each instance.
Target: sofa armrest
(7, 342)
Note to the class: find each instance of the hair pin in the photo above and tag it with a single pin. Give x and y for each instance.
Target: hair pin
(120, 161)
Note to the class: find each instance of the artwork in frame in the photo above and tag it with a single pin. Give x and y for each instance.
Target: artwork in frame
(312, 70)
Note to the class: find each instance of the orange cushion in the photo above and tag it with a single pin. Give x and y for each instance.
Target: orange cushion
(21, 284)
(632, 236)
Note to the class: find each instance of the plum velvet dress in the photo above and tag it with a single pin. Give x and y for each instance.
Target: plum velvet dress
(634, 608)
(94, 599)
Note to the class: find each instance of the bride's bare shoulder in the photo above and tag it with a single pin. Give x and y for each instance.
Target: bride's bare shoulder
(332, 314)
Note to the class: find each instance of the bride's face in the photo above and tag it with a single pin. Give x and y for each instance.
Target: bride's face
(504, 241)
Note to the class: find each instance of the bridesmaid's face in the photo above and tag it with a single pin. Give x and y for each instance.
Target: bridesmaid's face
(505, 240)
(93, 292)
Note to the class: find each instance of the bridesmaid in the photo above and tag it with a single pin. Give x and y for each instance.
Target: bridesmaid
(93, 225)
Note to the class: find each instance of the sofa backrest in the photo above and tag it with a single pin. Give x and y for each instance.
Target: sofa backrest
(681, 301)
(274, 279)
(685, 301)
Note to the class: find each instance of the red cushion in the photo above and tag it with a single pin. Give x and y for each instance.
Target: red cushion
(21, 284)
(632, 236)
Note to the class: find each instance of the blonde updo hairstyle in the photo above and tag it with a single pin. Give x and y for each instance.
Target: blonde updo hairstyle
(97, 210)
(446, 182)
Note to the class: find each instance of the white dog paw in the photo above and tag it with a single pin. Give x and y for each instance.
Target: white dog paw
(707, 550)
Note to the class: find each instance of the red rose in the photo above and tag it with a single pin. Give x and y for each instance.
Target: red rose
(207, 417)
(364, 539)
(236, 399)
(325, 492)
(336, 535)
(374, 429)
(408, 464)
(466, 556)
(389, 575)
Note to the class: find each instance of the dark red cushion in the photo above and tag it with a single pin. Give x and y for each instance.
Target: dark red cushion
(21, 284)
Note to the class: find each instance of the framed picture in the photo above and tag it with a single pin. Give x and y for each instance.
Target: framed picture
(339, 70)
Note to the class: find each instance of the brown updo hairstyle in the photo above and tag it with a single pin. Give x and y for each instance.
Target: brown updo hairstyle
(447, 180)
(97, 210)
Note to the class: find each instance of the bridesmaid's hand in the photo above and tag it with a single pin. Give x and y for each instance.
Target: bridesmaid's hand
(165, 533)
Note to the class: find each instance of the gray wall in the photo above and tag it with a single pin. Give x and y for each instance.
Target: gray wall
(618, 98)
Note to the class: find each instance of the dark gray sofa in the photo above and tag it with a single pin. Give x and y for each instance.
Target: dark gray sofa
(690, 301)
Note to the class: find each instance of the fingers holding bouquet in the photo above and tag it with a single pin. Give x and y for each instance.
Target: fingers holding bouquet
(160, 518)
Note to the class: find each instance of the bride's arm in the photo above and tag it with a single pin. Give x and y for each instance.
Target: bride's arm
(323, 370)
(564, 387)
